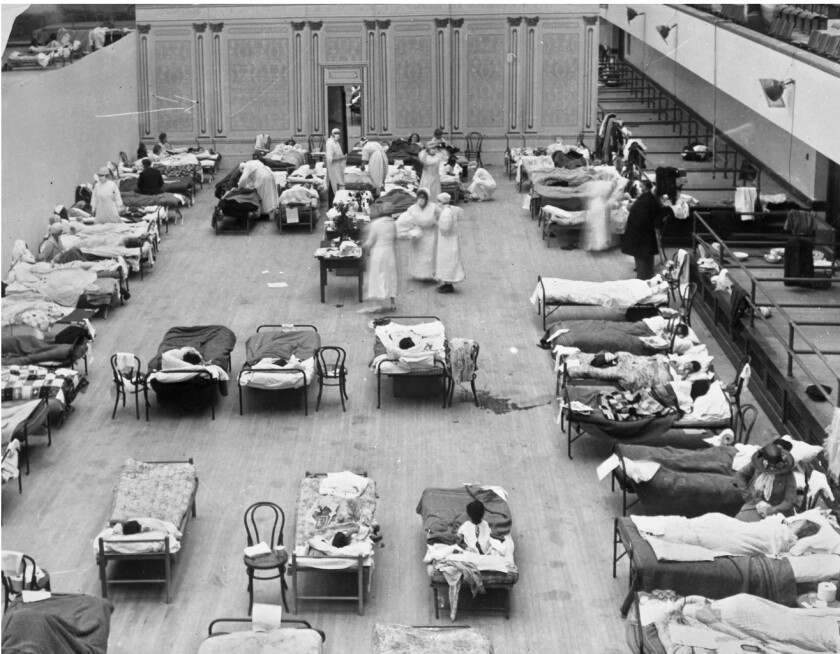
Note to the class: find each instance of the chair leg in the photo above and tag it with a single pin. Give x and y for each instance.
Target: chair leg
(475, 395)
(320, 390)
(304, 390)
(146, 400)
(342, 393)
(240, 399)
(283, 587)
(250, 592)
(137, 403)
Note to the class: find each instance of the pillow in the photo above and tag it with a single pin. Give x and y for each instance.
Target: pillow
(803, 452)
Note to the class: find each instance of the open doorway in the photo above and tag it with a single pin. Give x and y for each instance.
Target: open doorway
(344, 111)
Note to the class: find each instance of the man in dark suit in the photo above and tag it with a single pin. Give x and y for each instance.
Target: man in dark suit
(639, 239)
(150, 181)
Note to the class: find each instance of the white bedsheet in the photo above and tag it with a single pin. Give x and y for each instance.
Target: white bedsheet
(258, 376)
(429, 347)
(155, 533)
(618, 294)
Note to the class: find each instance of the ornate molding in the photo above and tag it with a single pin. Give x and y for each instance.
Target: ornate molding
(532, 22)
(590, 20)
(514, 21)
(315, 25)
(199, 27)
(457, 23)
(145, 28)
(370, 25)
(298, 26)
(441, 22)
(216, 27)
(383, 24)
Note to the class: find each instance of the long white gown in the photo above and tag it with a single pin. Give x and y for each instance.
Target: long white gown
(420, 226)
(382, 259)
(106, 201)
(336, 163)
(258, 176)
(374, 155)
(431, 171)
(483, 185)
(449, 268)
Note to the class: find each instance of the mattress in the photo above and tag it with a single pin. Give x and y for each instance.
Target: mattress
(302, 344)
(618, 294)
(214, 342)
(401, 639)
(443, 511)
(61, 624)
(426, 356)
(733, 621)
(162, 491)
(322, 516)
(763, 576)
(689, 483)
(631, 372)
(35, 382)
(291, 641)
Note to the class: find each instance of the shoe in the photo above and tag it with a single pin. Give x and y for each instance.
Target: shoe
(446, 288)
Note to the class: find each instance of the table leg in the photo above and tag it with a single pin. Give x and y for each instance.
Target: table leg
(323, 281)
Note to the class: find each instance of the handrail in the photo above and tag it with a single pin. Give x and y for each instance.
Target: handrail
(793, 326)
(720, 135)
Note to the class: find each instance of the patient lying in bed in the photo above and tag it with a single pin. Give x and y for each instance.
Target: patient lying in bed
(139, 536)
(714, 534)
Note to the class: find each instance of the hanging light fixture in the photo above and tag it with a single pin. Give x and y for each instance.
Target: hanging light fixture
(632, 13)
(665, 30)
(774, 90)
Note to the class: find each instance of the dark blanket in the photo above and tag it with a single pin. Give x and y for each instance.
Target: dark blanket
(445, 509)
(170, 185)
(26, 350)
(214, 342)
(282, 345)
(728, 575)
(62, 624)
(597, 335)
(690, 483)
(134, 199)
(393, 202)
(239, 203)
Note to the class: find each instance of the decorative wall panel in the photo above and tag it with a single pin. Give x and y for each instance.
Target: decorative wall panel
(258, 81)
(485, 80)
(343, 49)
(560, 76)
(413, 81)
(173, 76)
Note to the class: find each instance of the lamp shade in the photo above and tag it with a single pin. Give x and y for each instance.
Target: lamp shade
(665, 30)
(774, 90)
(632, 13)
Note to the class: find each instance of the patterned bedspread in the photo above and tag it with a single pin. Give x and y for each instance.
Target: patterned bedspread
(35, 382)
(153, 490)
(326, 515)
(401, 639)
(632, 372)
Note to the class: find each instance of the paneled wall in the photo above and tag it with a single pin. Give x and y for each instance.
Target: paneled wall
(221, 74)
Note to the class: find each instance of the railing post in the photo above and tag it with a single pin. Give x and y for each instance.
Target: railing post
(790, 351)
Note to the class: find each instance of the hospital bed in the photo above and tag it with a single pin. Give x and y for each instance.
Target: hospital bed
(319, 517)
(237, 207)
(620, 294)
(60, 623)
(58, 387)
(294, 344)
(175, 382)
(62, 349)
(427, 359)
(739, 623)
(443, 511)
(774, 579)
(298, 639)
(136, 243)
(625, 417)
(161, 496)
(23, 419)
(452, 639)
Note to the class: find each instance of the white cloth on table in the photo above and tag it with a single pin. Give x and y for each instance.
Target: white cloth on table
(344, 484)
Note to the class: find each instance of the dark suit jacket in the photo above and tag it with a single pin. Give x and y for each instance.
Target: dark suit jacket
(150, 182)
(639, 239)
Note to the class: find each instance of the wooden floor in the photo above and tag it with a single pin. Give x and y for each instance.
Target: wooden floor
(566, 599)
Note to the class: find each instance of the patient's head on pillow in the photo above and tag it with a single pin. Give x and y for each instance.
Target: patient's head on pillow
(688, 367)
(804, 528)
(192, 357)
(340, 540)
(475, 510)
(280, 361)
(131, 527)
(406, 343)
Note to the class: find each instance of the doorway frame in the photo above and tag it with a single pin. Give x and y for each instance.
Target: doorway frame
(348, 74)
